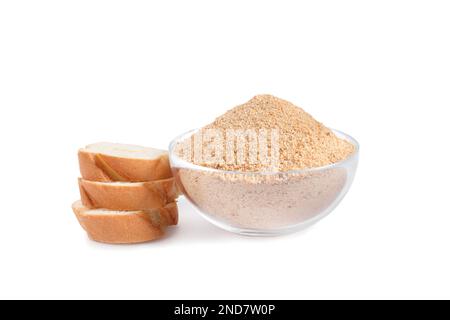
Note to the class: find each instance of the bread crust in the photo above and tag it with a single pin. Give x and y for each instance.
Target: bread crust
(126, 227)
(107, 168)
(129, 196)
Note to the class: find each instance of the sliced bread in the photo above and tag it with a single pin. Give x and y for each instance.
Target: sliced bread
(122, 162)
(125, 226)
(127, 195)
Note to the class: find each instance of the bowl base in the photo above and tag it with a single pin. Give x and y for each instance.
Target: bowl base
(265, 232)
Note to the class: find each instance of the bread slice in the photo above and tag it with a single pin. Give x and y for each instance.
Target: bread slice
(122, 162)
(125, 226)
(127, 195)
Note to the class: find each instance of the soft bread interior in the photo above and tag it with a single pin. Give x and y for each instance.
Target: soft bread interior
(82, 209)
(127, 184)
(124, 150)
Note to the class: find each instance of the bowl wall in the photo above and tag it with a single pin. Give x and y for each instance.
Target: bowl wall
(261, 203)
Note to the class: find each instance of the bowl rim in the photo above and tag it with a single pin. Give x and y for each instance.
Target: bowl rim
(173, 158)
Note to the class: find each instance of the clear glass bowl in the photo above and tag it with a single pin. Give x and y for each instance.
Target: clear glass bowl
(264, 203)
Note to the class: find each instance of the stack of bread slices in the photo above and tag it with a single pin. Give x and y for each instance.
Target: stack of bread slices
(128, 193)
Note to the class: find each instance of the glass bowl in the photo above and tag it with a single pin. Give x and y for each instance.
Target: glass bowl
(264, 203)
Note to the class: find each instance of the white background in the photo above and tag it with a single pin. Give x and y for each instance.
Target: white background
(77, 72)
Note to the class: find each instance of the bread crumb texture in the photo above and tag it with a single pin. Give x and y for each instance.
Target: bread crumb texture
(262, 201)
(243, 196)
(303, 142)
